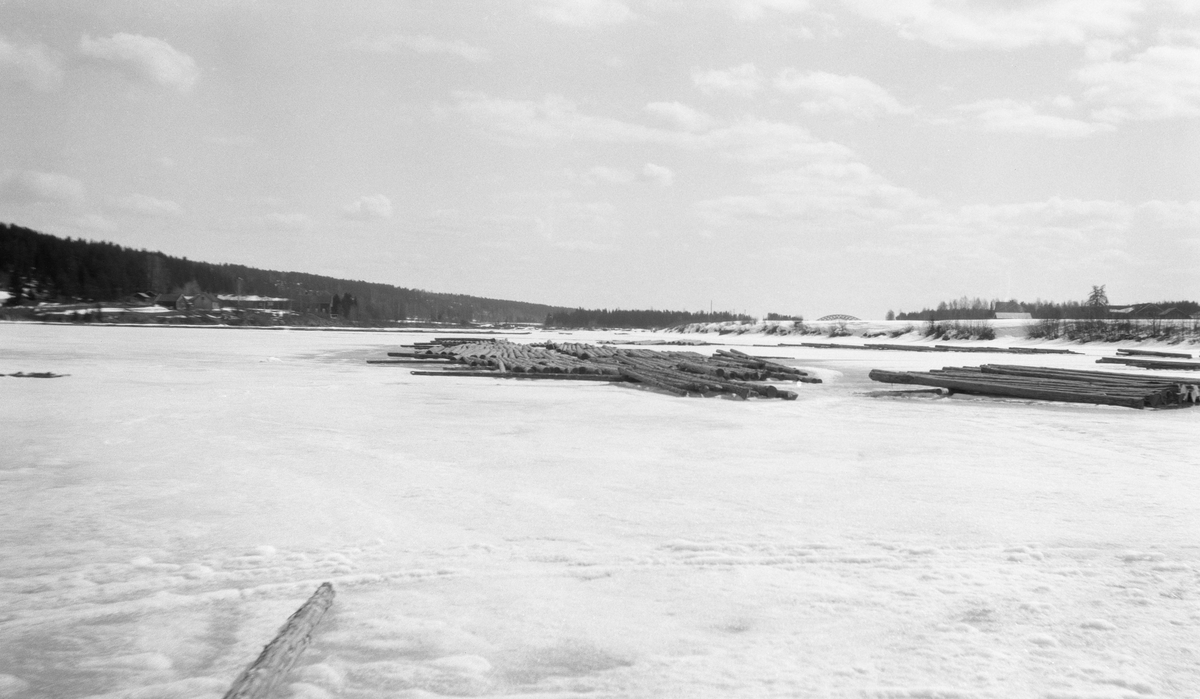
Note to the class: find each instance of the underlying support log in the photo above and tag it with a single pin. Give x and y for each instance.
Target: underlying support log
(277, 658)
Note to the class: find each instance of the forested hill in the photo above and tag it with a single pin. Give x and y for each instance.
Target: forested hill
(53, 268)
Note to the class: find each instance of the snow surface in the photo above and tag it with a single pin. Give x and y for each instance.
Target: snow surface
(169, 503)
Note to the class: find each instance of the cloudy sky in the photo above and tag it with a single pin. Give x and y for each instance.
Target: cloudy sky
(795, 156)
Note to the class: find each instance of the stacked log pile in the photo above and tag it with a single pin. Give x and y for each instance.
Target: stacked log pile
(1066, 385)
(676, 372)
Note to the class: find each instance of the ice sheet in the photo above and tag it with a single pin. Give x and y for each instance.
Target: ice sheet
(175, 498)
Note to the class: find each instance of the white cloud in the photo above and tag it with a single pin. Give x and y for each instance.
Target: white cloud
(583, 13)
(1012, 116)
(1039, 236)
(370, 207)
(285, 221)
(144, 57)
(552, 119)
(954, 24)
(681, 115)
(609, 175)
(742, 80)
(96, 222)
(1054, 213)
(830, 195)
(421, 44)
(759, 140)
(1162, 82)
(234, 141)
(850, 94)
(658, 174)
(32, 64)
(751, 10)
(143, 205)
(31, 187)
(557, 120)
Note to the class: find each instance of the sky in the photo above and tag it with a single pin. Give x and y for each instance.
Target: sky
(790, 156)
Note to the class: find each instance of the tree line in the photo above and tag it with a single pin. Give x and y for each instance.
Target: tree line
(605, 318)
(1096, 305)
(36, 266)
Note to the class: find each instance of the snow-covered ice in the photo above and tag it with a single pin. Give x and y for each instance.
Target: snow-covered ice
(169, 503)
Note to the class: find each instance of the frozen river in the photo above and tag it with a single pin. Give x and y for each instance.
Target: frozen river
(169, 503)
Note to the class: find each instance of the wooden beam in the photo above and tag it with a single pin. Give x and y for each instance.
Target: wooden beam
(278, 657)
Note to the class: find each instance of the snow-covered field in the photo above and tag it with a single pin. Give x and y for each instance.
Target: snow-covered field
(169, 503)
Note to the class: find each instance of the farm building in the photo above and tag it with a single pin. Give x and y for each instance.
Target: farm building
(252, 301)
(320, 302)
(202, 301)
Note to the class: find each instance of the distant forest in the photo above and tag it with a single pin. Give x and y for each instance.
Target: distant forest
(980, 309)
(37, 266)
(583, 318)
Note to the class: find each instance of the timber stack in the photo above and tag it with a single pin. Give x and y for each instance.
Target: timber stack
(1066, 385)
(680, 373)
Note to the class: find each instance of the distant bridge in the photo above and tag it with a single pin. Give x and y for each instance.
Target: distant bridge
(838, 316)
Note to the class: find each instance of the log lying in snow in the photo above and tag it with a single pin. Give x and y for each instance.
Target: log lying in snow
(934, 348)
(278, 657)
(1064, 385)
(1004, 350)
(408, 360)
(515, 375)
(903, 393)
(1150, 363)
(1153, 353)
(907, 348)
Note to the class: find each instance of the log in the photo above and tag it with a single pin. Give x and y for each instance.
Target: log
(1040, 350)
(1150, 363)
(1086, 373)
(1153, 353)
(519, 375)
(906, 392)
(401, 361)
(758, 362)
(653, 383)
(906, 348)
(263, 675)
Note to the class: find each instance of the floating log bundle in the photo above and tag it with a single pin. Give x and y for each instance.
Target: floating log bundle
(681, 373)
(1065, 385)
